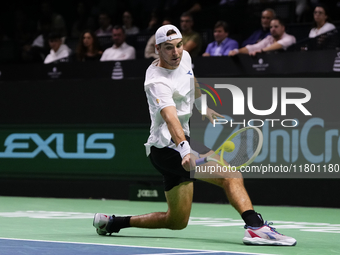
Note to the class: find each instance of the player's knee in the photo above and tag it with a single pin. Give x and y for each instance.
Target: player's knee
(231, 181)
(178, 225)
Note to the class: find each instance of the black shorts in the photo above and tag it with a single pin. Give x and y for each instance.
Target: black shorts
(169, 163)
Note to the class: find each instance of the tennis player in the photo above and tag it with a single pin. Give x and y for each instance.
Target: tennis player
(170, 98)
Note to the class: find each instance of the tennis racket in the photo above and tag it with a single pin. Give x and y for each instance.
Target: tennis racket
(248, 143)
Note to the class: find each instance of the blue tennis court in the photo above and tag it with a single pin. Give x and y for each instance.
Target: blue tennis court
(35, 247)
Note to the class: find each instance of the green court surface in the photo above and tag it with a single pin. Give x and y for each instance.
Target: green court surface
(213, 227)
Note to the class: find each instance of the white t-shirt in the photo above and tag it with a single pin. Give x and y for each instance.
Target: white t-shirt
(39, 41)
(123, 52)
(285, 41)
(131, 31)
(62, 52)
(324, 29)
(104, 32)
(165, 87)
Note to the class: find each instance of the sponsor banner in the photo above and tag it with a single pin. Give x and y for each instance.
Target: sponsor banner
(85, 153)
(146, 193)
(297, 117)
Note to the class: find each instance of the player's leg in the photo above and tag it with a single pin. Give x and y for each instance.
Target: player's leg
(233, 185)
(179, 199)
(257, 232)
(178, 190)
(235, 191)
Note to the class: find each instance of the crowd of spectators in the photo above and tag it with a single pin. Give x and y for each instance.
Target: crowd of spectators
(50, 31)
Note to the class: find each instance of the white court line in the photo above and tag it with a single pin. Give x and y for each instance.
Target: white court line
(134, 246)
(204, 252)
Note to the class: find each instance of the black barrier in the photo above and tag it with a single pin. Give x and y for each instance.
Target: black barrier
(308, 63)
(75, 71)
(90, 102)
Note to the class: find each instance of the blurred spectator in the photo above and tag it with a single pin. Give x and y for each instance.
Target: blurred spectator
(128, 26)
(39, 49)
(42, 39)
(266, 16)
(278, 39)
(222, 44)
(153, 24)
(88, 47)
(24, 28)
(3, 35)
(150, 46)
(59, 51)
(192, 41)
(114, 8)
(321, 24)
(57, 21)
(105, 27)
(120, 49)
(258, 1)
(301, 10)
(7, 46)
(234, 12)
(175, 8)
(83, 21)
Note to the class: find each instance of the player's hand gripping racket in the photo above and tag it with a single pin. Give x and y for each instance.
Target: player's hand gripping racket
(248, 143)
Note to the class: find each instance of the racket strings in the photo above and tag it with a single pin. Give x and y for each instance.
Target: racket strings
(246, 144)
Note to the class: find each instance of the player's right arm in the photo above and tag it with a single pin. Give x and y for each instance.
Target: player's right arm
(169, 114)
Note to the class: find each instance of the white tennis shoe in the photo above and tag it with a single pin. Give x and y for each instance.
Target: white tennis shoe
(100, 222)
(266, 235)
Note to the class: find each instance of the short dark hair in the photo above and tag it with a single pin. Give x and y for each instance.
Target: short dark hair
(269, 10)
(187, 14)
(107, 14)
(119, 27)
(54, 35)
(223, 24)
(280, 20)
(170, 32)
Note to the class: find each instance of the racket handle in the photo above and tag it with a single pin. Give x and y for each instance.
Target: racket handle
(201, 161)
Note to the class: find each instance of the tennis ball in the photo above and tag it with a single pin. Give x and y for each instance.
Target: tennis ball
(228, 146)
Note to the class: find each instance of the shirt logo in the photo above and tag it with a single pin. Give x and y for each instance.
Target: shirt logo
(157, 100)
(189, 72)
